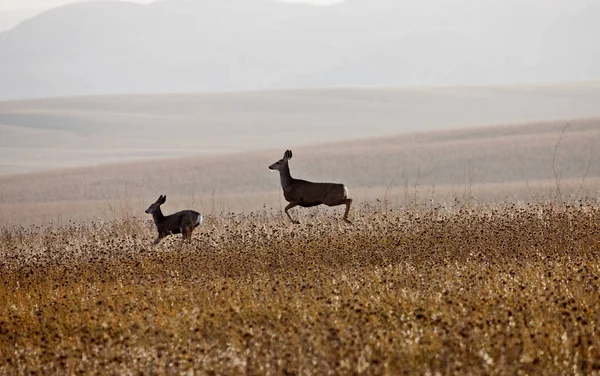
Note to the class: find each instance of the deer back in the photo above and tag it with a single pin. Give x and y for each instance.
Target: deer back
(307, 192)
(175, 222)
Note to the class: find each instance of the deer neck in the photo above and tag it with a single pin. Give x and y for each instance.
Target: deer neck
(158, 216)
(285, 176)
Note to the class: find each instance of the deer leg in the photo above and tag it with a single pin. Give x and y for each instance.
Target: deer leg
(160, 237)
(291, 205)
(348, 202)
(186, 232)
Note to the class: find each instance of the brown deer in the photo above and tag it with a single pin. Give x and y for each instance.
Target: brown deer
(183, 222)
(305, 193)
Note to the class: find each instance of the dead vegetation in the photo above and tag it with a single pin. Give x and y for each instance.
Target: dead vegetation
(460, 289)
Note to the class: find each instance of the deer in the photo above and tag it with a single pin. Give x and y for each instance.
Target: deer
(306, 193)
(183, 222)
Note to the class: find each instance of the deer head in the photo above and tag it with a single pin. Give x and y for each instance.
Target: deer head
(277, 166)
(152, 208)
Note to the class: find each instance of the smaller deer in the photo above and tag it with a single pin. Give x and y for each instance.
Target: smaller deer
(183, 222)
(306, 193)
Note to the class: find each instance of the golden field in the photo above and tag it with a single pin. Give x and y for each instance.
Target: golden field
(438, 289)
(473, 250)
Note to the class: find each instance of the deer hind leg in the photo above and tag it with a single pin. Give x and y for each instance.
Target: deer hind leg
(347, 202)
(287, 208)
(186, 232)
(190, 230)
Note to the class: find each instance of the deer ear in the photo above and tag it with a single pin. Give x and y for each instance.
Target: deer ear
(164, 198)
(287, 155)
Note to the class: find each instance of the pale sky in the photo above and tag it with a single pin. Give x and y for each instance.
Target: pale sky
(8, 5)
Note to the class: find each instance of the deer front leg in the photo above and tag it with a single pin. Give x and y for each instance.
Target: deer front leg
(160, 237)
(291, 205)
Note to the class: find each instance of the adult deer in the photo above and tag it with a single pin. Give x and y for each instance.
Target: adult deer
(183, 222)
(305, 193)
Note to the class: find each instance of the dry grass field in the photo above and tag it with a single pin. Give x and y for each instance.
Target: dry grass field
(472, 250)
(438, 289)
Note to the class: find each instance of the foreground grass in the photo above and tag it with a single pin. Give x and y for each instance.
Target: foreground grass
(472, 291)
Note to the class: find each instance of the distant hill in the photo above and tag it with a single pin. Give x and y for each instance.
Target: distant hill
(78, 131)
(13, 13)
(110, 47)
(10, 19)
(487, 163)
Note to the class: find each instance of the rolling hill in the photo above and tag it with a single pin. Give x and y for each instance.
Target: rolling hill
(69, 132)
(492, 163)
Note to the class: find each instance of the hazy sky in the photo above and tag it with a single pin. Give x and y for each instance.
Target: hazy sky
(6, 5)
(209, 47)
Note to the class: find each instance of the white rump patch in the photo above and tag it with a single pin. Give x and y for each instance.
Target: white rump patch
(199, 220)
(345, 192)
